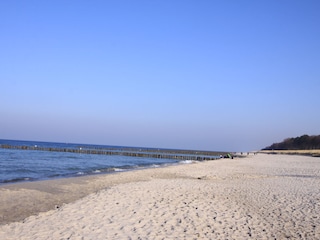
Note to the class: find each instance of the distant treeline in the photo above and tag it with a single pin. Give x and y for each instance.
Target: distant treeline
(303, 142)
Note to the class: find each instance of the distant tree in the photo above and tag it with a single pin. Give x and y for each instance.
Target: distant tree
(303, 142)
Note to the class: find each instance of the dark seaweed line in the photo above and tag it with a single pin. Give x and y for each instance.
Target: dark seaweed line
(123, 153)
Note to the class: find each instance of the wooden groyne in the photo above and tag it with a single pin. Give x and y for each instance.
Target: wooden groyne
(131, 152)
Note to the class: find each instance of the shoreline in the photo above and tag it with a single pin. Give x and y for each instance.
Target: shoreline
(93, 173)
(64, 190)
(261, 196)
(60, 191)
(64, 160)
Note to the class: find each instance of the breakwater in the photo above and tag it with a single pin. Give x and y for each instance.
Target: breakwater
(131, 152)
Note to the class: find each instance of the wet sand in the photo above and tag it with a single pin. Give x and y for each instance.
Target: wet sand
(258, 197)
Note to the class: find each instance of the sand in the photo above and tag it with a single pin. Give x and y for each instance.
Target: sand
(258, 197)
(310, 152)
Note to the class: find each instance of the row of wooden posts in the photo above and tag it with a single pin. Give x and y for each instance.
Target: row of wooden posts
(168, 154)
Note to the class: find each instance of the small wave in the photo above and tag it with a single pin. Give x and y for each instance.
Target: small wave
(155, 165)
(54, 175)
(118, 170)
(72, 168)
(108, 170)
(80, 173)
(187, 161)
(14, 180)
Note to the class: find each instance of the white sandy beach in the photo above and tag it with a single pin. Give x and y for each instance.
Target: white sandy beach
(258, 197)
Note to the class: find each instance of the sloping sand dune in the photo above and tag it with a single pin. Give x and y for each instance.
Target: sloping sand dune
(258, 197)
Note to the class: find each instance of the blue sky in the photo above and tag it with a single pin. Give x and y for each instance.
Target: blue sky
(207, 75)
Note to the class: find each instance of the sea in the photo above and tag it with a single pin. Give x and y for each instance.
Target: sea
(26, 161)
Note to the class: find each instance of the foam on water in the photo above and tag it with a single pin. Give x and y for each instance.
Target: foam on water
(187, 161)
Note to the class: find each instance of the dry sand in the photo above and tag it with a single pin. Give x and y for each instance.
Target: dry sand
(258, 197)
(310, 152)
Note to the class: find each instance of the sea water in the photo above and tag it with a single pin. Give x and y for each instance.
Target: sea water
(17, 165)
